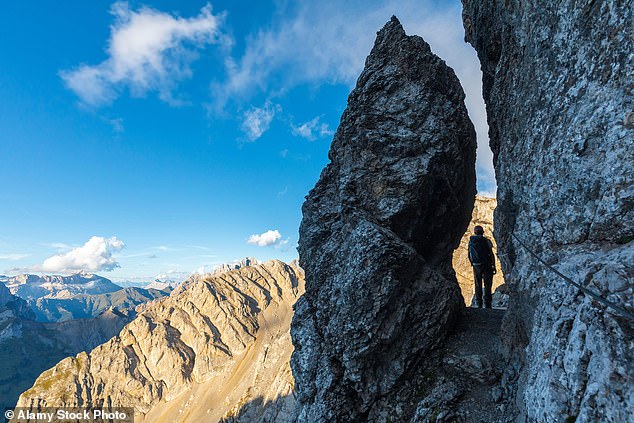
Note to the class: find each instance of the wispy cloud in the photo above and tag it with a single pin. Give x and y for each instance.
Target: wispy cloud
(116, 124)
(267, 239)
(257, 120)
(199, 247)
(283, 192)
(95, 255)
(13, 256)
(291, 52)
(148, 50)
(57, 245)
(312, 129)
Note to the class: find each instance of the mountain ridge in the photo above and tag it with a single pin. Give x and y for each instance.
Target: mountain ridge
(195, 336)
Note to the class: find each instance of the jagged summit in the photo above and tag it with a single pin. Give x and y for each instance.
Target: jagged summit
(390, 31)
(236, 264)
(378, 232)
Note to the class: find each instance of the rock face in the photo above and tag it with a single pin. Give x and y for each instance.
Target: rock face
(378, 232)
(216, 348)
(5, 295)
(559, 88)
(482, 215)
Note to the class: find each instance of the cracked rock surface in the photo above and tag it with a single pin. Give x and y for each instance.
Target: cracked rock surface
(378, 232)
(558, 83)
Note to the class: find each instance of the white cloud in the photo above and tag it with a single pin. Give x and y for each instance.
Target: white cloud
(13, 256)
(257, 120)
(57, 245)
(312, 129)
(291, 52)
(148, 50)
(95, 255)
(267, 239)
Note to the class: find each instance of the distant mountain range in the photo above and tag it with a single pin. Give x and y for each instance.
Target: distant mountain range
(217, 347)
(44, 319)
(84, 306)
(31, 287)
(57, 298)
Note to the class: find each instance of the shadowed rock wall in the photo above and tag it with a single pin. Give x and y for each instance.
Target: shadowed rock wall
(378, 232)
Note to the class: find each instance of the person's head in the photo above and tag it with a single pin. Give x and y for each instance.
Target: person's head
(478, 230)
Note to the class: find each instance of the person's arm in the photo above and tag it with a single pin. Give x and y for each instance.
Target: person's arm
(492, 256)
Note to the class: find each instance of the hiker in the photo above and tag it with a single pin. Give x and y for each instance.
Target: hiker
(483, 262)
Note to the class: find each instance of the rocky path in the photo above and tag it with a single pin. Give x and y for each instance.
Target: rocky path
(465, 387)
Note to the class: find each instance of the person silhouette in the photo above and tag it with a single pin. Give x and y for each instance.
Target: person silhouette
(482, 260)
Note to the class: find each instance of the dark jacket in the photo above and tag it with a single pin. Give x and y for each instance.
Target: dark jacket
(481, 251)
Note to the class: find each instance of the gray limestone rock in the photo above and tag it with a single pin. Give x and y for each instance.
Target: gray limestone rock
(378, 232)
(558, 82)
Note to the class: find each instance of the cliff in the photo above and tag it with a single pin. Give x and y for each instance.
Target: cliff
(377, 235)
(558, 86)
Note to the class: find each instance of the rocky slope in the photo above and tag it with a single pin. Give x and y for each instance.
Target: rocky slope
(558, 85)
(482, 215)
(83, 306)
(461, 382)
(28, 347)
(31, 287)
(377, 236)
(217, 347)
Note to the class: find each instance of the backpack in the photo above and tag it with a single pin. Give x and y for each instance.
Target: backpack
(480, 250)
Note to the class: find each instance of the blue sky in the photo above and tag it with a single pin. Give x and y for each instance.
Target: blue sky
(165, 137)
